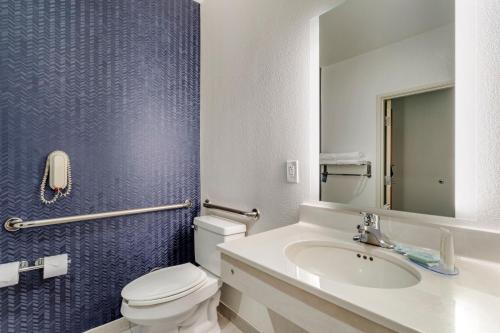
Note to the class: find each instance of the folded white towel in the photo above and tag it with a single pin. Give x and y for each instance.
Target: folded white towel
(341, 158)
(345, 162)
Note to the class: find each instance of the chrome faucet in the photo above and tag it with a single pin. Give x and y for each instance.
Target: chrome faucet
(369, 232)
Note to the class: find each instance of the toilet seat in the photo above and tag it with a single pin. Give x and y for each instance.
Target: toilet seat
(164, 285)
(146, 315)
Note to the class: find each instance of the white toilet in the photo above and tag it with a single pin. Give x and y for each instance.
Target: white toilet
(183, 298)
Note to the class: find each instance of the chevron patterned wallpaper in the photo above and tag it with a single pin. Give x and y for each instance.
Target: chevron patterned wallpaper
(115, 84)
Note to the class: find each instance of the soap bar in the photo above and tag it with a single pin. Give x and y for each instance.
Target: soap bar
(417, 254)
(437, 267)
(423, 257)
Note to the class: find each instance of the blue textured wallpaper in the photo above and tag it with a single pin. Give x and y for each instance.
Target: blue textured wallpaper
(115, 84)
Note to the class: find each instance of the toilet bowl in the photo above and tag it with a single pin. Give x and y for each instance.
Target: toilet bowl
(161, 302)
(183, 298)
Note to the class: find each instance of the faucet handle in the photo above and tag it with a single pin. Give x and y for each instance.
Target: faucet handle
(361, 236)
(364, 215)
(370, 219)
(367, 217)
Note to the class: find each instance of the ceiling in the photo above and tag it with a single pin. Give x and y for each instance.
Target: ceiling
(358, 26)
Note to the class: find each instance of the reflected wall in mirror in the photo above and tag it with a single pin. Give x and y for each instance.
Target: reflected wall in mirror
(387, 105)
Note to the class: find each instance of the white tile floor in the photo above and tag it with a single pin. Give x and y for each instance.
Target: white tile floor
(225, 326)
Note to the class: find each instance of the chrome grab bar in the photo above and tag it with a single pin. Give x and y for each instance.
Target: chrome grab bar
(255, 214)
(15, 223)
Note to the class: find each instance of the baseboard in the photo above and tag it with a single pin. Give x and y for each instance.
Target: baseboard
(116, 326)
(239, 322)
(122, 325)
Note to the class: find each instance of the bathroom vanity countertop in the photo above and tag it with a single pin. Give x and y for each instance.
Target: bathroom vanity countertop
(466, 303)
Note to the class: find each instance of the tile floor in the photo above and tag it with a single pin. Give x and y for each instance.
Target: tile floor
(225, 325)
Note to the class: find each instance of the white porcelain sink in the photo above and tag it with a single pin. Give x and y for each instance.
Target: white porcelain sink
(352, 265)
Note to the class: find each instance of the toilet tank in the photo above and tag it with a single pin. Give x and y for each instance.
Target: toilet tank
(210, 231)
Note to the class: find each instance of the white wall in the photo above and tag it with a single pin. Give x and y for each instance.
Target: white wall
(349, 100)
(255, 109)
(488, 112)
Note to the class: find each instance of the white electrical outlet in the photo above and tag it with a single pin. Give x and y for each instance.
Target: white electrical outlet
(292, 171)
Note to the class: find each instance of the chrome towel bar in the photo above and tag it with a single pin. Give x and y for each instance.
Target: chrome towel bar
(15, 223)
(255, 214)
(325, 173)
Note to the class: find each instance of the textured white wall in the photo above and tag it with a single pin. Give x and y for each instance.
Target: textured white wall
(488, 112)
(255, 106)
(255, 111)
(349, 101)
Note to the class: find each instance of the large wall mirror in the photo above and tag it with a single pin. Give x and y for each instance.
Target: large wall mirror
(387, 105)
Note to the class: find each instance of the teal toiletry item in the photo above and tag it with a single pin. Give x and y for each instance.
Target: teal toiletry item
(437, 267)
(417, 254)
(422, 257)
(426, 258)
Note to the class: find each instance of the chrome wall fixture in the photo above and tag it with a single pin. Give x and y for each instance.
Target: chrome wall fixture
(15, 223)
(255, 214)
(367, 164)
(24, 265)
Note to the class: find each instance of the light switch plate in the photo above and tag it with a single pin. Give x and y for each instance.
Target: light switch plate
(292, 171)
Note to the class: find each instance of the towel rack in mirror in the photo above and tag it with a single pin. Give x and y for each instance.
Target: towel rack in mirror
(367, 173)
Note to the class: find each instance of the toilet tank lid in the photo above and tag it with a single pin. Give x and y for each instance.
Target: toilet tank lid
(220, 225)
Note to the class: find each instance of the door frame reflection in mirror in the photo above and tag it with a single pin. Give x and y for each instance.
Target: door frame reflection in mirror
(380, 121)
